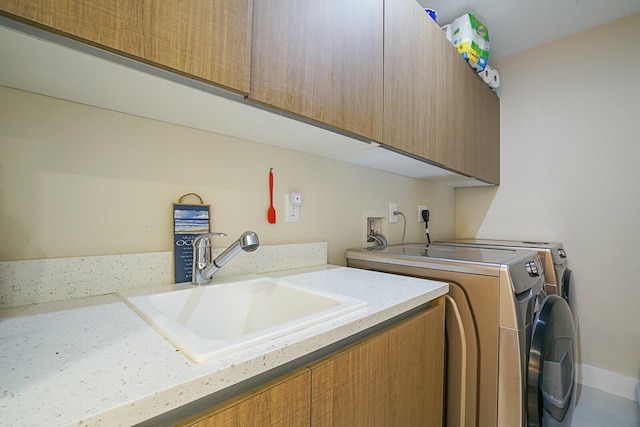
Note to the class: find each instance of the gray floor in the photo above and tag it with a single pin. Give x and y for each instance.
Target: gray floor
(596, 408)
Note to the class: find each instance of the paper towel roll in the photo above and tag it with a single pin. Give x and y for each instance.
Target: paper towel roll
(490, 76)
(486, 74)
(494, 80)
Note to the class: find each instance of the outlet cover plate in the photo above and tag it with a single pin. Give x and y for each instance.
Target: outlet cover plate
(392, 208)
(420, 209)
(292, 212)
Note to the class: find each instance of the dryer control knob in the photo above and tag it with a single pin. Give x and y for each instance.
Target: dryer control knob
(532, 269)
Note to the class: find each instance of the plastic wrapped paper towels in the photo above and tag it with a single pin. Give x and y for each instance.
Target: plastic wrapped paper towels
(490, 76)
(471, 39)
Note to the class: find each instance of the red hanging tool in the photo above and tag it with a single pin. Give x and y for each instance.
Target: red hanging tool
(271, 213)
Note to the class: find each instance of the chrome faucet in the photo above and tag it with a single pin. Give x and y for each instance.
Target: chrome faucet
(203, 268)
(381, 241)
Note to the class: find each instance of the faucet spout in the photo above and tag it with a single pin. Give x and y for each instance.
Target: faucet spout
(248, 242)
(204, 268)
(379, 239)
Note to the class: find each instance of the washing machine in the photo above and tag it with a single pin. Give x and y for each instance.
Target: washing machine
(510, 347)
(552, 255)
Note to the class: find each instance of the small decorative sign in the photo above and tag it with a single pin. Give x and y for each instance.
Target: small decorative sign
(189, 221)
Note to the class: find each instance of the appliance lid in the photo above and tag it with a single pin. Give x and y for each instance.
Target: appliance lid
(413, 251)
(513, 243)
(556, 249)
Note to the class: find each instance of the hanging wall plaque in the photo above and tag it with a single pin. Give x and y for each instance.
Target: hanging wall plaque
(189, 221)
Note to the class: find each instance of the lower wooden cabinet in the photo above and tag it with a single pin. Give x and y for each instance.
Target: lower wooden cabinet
(282, 402)
(393, 378)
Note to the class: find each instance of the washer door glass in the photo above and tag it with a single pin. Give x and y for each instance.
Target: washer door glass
(551, 372)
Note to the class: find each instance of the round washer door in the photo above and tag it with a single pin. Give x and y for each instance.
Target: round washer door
(566, 284)
(551, 372)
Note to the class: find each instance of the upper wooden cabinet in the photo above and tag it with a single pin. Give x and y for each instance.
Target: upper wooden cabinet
(321, 60)
(206, 39)
(374, 69)
(435, 107)
(481, 131)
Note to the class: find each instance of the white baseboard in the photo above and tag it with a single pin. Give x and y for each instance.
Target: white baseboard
(607, 381)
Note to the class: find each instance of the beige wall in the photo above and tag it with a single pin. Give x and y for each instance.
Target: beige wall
(78, 180)
(570, 153)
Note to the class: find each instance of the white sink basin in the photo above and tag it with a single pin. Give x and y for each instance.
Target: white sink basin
(210, 321)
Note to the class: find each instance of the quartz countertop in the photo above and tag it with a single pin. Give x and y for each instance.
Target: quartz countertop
(93, 361)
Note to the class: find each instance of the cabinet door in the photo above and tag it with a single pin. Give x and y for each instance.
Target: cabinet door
(206, 39)
(394, 378)
(352, 388)
(435, 107)
(482, 154)
(416, 361)
(321, 60)
(285, 402)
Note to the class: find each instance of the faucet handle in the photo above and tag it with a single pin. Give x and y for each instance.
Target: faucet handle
(204, 240)
(202, 250)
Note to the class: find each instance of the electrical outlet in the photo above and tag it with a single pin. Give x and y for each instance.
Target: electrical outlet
(392, 208)
(420, 209)
(292, 212)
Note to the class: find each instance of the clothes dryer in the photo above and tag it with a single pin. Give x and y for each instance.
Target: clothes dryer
(494, 313)
(552, 255)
